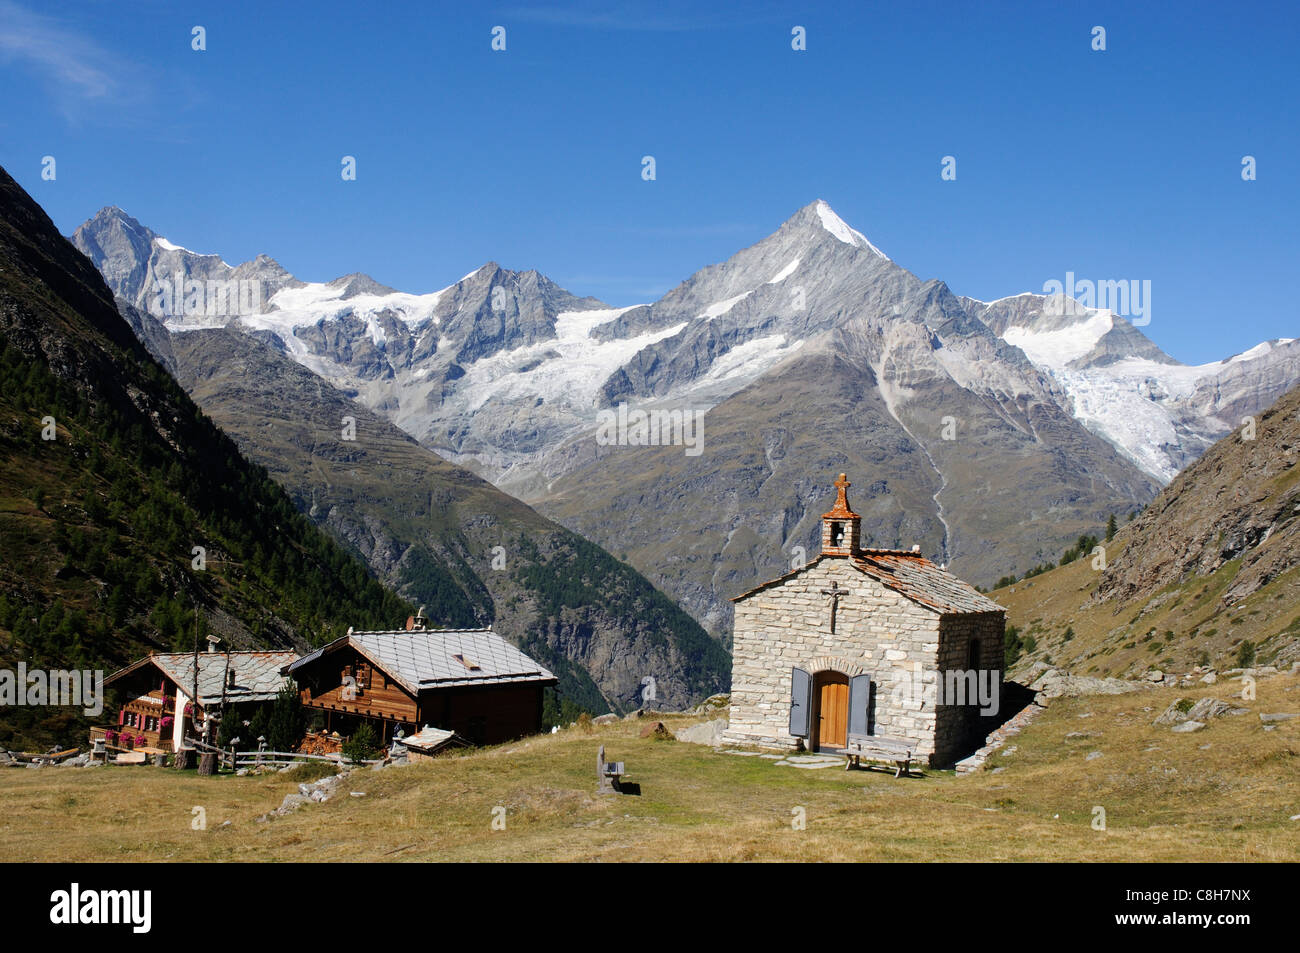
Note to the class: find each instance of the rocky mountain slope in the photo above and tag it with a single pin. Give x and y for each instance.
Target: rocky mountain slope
(1238, 502)
(811, 352)
(1208, 574)
(110, 476)
(448, 539)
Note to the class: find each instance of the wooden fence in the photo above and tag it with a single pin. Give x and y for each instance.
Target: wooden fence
(234, 760)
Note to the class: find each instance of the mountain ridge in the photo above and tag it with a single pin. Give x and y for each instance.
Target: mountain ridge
(513, 389)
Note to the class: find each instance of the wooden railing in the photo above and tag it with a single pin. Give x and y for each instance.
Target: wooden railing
(229, 758)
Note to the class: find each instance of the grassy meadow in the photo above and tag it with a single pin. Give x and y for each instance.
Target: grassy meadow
(1225, 793)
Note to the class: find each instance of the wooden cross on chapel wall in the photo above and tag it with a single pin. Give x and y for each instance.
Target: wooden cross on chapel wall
(834, 592)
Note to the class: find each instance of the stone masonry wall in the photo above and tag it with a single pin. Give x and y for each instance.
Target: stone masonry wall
(878, 632)
(959, 729)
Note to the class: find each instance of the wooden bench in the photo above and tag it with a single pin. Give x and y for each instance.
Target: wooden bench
(609, 773)
(879, 748)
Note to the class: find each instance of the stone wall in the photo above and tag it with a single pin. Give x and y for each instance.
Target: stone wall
(879, 632)
(959, 728)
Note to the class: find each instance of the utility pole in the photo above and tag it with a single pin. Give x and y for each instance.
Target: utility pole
(194, 696)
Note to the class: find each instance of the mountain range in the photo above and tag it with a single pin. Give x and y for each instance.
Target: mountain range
(989, 434)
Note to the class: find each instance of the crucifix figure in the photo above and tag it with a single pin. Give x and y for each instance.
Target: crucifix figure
(834, 592)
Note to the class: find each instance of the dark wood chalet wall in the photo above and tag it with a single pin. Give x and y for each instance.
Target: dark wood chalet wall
(485, 714)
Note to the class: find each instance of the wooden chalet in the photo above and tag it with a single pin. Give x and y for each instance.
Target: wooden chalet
(157, 705)
(470, 682)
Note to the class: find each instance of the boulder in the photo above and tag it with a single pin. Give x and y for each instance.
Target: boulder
(1188, 726)
(1054, 683)
(1209, 678)
(705, 733)
(1175, 714)
(1203, 710)
(291, 803)
(1208, 708)
(1269, 717)
(713, 703)
(657, 730)
(607, 719)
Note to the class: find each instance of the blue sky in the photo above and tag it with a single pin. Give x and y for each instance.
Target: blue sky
(1122, 164)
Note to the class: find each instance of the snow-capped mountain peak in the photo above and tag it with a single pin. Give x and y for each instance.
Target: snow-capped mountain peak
(841, 229)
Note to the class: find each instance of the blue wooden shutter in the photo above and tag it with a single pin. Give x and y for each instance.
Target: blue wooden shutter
(860, 705)
(800, 702)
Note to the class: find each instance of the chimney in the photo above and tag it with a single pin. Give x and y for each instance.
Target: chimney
(213, 642)
(916, 547)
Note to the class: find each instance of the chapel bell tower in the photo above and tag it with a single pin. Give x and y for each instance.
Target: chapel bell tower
(841, 527)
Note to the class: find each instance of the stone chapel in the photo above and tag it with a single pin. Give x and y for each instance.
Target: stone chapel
(866, 642)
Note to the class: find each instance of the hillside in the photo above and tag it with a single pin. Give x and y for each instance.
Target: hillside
(1208, 574)
(1225, 793)
(98, 526)
(447, 539)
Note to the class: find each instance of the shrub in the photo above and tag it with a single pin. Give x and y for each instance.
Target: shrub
(287, 722)
(1246, 654)
(1011, 647)
(363, 744)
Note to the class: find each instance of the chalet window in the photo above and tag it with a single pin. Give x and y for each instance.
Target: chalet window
(363, 675)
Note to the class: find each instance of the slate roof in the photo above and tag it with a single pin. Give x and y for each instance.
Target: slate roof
(257, 674)
(428, 658)
(922, 581)
(910, 574)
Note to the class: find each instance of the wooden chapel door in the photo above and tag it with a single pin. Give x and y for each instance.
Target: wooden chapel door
(833, 710)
